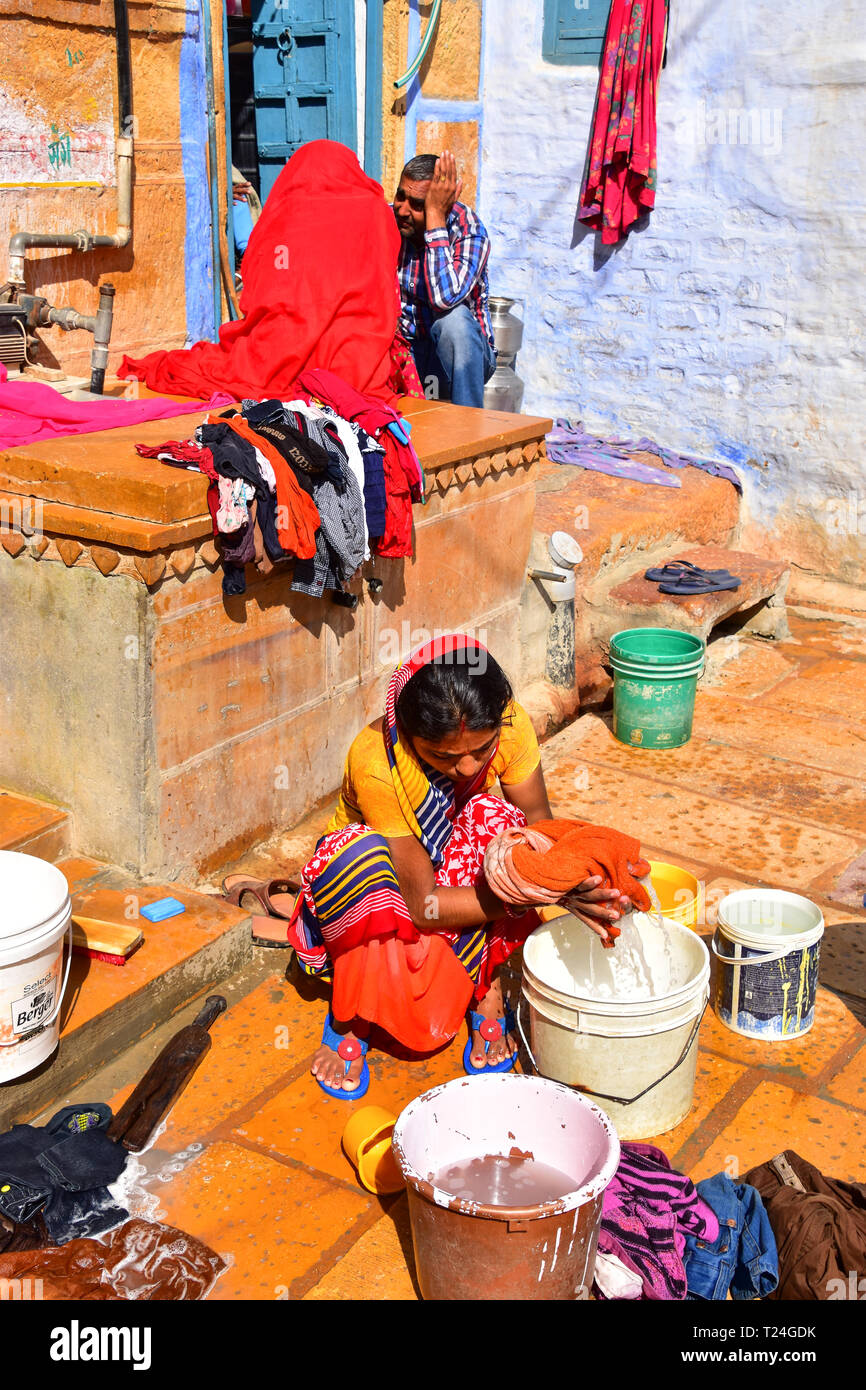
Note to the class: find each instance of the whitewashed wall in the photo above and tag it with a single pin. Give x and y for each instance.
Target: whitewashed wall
(733, 324)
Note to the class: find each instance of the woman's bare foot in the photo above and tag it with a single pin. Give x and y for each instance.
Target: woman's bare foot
(499, 1049)
(330, 1069)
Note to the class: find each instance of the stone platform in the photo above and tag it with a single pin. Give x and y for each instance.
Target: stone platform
(178, 726)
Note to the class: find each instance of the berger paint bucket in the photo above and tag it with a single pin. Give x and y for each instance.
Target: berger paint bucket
(35, 916)
(655, 677)
(767, 945)
(630, 1047)
(473, 1250)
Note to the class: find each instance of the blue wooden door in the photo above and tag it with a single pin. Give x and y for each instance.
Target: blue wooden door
(303, 78)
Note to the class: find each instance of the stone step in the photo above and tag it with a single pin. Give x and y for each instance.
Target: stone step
(34, 827)
(106, 1008)
(639, 602)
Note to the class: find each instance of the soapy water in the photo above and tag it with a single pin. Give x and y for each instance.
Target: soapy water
(640, 966)
(138, 1187)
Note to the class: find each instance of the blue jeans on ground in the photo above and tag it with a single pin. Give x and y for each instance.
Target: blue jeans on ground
(459, 354)
(744, 1258)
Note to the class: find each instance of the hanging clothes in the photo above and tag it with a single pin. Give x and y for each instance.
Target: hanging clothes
(619, 179)
(320, 289)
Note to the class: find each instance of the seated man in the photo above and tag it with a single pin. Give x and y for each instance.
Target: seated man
(443, 280)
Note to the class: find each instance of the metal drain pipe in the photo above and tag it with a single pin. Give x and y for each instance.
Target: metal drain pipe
(82, 241)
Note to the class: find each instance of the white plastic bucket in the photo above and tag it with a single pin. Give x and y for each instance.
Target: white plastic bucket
(767, 945)
(636, 1058)
(35, 916)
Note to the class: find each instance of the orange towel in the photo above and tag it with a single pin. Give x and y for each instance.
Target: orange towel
(580, 851)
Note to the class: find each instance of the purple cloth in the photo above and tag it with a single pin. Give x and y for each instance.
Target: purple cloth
(31, 412)
(648, 1210)
(569, 443)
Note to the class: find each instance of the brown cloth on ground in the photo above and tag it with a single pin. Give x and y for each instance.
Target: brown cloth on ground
(139, 1260)
(819, 1224)
(581, 851)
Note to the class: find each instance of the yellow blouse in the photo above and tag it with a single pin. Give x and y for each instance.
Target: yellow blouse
(367, 794)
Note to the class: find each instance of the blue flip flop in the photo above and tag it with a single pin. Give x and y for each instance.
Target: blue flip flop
(345, 1049)
(506, 1025)
(689, 584)
(683, 569)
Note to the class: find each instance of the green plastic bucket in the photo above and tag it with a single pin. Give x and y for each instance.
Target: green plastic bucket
(655, 676)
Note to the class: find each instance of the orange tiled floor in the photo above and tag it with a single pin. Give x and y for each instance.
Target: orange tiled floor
(768, 790)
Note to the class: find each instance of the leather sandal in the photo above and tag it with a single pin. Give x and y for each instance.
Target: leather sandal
(236, 887)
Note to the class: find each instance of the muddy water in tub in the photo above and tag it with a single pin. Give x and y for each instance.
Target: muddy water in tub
(515, 1180)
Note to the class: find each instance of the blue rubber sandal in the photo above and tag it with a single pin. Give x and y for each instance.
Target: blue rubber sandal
(688, 585)
(349, 1049)
(503, 1025)
(683, 569)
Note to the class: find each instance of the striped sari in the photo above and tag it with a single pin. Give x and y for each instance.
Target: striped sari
(352, 926)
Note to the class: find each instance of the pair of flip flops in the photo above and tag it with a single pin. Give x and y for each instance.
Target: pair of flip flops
(490, 1029)
(275, 900)
(348, 1050)
(683, 578)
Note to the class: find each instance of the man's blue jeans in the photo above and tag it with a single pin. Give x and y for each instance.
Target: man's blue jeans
(458, 353)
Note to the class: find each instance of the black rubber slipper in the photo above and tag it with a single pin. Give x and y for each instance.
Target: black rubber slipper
(683, 569)
(684, 587)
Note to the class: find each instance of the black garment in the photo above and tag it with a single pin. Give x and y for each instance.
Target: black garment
(62, 1171)
(234, 457)
(304, 455)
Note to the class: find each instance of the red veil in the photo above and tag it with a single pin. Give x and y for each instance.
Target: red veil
(320, 290)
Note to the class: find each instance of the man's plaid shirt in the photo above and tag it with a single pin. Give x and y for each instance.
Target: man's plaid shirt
(451, 270)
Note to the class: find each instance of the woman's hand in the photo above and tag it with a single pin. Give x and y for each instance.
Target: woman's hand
(598, 907)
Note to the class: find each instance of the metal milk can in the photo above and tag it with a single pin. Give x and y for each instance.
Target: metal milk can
(507, 327)
(504, 390)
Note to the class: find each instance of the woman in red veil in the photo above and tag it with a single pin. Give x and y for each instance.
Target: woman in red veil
(320, 290)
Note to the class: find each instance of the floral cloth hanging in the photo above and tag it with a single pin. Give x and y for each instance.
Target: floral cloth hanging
(619, 179)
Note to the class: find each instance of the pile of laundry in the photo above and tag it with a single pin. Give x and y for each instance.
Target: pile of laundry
(782, 1231)
(328, 476)
(60, 1223)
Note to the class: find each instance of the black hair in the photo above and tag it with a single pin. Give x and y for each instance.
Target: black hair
(465, 688)
(420, 169)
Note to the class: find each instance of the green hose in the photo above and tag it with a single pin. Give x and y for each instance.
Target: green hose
(425, 44)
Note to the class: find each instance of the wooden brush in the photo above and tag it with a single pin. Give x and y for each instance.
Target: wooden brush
(112, 942)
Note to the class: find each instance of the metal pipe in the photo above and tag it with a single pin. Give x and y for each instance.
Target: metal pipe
(84, 241)
(101, 338)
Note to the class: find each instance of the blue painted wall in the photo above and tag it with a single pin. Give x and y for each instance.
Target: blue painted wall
(733, 324)
(199, 268)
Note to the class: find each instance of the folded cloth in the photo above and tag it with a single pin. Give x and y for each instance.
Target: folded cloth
(139, 1260)
(545, 861)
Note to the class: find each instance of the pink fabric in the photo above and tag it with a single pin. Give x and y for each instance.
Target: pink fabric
(31, 412)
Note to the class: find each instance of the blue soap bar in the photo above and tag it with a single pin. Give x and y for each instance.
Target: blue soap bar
(166, 907)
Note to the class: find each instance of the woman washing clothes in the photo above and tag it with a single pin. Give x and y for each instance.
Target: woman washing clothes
(394, 906)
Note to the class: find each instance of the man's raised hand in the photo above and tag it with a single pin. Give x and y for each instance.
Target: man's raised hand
(443, 192)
